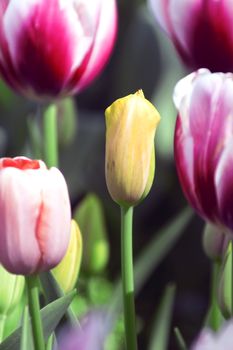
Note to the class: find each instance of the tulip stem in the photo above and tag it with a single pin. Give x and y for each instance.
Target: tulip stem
(127, 277)
(34, 309)
(50, 136)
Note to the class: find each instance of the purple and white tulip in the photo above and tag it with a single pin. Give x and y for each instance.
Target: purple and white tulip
(204, 144)
(54, 48)
(201, 31)
(208, 340)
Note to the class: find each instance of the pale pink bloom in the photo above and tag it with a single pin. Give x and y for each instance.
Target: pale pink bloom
(222, 340)
(53, 48)
(35, 216)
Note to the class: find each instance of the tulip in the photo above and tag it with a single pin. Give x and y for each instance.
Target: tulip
(54, 48)
(35, 216)
(66, 272)
(203, 145)
(201, 31)
(131, 123)
(95, 327)
(222, 340)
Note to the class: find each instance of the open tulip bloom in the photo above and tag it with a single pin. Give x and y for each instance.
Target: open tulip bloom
(201, 31)
(54, 48)
(204, 142)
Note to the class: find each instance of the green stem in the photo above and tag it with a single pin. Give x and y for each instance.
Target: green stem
(34, 309)
(2, 326)
(127, 277)
(50, 136)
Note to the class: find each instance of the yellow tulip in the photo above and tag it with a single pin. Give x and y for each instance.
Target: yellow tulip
(131, 124)
(66, 273)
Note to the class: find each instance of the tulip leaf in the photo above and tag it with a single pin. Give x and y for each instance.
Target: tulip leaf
(53, 291)
(161, 327)
(90, 218)
(153, 254)
(214, 317)
(51, 316)
(179, 339)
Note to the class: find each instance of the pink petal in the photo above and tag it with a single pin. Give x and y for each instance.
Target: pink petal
(53, 226)
(20, 198)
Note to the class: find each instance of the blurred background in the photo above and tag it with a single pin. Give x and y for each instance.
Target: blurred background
(143, 58)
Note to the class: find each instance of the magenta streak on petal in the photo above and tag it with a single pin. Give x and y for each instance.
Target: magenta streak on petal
(184, 165)
(45, 52)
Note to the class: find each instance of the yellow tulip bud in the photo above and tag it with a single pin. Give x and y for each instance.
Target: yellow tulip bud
(66, 273)
(131, 123)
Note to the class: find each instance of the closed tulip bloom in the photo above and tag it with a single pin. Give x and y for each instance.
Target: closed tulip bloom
(201, 31)
(203, 144)
(131, 123)
(66, 272)
(35, 216)
(54, 48)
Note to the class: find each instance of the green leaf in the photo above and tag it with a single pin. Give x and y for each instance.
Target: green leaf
(214, 317)
(26, 341)
(159, 247)
(153, 254)
(225, 283)
(90, 217)
(161, 328)
(53, 291)
(51, 316)
(179, 339)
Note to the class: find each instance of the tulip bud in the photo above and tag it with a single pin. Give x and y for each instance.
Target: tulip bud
(66, 272)
(35, 216)
(214, 242)
(131, 123)
(11, 291)
(90, 216)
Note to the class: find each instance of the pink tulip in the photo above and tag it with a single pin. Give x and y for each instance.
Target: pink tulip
(53, 48)
(35, 216)
(201, 31)
(222, 340)
(204, 144)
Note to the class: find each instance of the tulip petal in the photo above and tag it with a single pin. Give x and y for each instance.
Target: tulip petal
(103, 44)
(20, 199)
(53, 226)
(224, 185)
